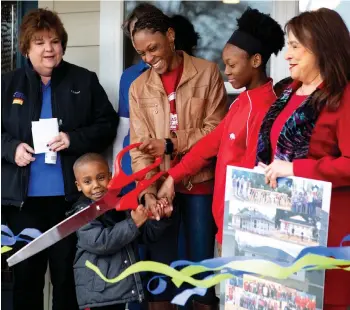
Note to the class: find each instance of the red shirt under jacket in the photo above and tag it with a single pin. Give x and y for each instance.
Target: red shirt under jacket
(234, 142)
(282, 118)
(170, 82)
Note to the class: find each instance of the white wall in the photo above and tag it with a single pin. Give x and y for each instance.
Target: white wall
(81, 20)
(111, 63)
(282, 11)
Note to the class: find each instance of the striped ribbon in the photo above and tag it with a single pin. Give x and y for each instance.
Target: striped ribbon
(310, 258)
(8, 237)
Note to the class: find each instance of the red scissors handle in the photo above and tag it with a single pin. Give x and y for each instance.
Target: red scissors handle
(120, 179)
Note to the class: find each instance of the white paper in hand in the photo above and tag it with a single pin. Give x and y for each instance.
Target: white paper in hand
(43, 131)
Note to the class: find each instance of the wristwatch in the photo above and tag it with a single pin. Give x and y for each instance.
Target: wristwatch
(169, 146)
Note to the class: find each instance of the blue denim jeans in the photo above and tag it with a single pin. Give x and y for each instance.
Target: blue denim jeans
(197, 234)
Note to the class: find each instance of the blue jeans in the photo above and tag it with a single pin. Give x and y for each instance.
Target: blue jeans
(197, 234)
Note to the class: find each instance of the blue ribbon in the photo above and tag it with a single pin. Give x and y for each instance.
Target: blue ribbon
(8, 238)
(342, 252)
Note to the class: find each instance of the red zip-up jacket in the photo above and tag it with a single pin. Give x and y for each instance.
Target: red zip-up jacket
(233, 141)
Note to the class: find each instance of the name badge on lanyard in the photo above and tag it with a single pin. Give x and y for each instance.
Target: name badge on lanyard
(173, 122)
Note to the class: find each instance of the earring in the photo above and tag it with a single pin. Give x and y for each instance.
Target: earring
(172, 47)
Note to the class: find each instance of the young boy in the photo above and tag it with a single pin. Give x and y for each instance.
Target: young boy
(109, 242)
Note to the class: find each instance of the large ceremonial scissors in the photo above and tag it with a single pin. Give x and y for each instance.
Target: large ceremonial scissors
(109, 201)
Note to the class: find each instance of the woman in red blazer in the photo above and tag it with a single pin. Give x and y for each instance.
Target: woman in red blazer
(306, 131)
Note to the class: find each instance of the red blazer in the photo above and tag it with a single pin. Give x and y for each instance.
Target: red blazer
(329, 160)
(234, 142)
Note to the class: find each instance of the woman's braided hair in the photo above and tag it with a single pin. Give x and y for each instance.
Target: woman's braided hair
(156, 21)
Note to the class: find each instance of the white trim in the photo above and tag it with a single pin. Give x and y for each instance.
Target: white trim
(111, 47)
(282, 11)
(250, 111)
(233, 91)
(111, 55)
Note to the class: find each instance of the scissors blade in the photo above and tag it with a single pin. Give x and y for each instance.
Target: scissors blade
(65, 228)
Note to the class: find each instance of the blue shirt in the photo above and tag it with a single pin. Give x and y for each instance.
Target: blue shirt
(128, 76)
(45, 179)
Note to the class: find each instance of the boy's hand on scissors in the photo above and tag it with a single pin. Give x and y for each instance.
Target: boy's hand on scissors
(153, 206)
(167, 190)
(165, 209)
(139, 215)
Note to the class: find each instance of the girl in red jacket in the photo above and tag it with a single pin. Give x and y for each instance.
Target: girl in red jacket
(306, 132)
(245, 56)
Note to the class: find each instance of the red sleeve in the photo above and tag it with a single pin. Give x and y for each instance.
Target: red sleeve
(328, 168)
(200, 154)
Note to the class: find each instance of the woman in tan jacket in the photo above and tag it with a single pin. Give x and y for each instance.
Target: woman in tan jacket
(175, 103)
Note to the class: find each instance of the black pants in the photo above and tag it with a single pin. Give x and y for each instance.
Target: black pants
(29, 275)
(163, 251)
(196, 213)
(112, 307)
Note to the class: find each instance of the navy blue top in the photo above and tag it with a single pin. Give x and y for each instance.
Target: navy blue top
(46, 179)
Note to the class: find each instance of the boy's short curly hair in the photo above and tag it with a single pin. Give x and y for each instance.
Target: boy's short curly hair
(88, 158)
(39, 20)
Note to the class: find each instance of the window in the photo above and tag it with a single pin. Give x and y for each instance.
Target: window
(8, 35)
(342, 7)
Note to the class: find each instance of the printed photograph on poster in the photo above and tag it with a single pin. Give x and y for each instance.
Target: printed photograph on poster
(295, 194)
(275, 224)
(249, 188)
(233, 290)
(298, 228)
(261, 294)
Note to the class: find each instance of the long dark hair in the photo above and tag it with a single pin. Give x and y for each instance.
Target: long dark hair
(326, 35)
(186, 38)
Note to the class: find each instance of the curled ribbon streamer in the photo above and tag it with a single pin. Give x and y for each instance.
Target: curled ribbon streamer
(345, 239)
(256, 266)
(336, 252)
(161, 285)
(8, 237)
(310, 258)
(181, 299)
(5, 249)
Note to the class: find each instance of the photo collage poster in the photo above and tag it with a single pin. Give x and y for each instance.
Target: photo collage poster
(265, 223)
